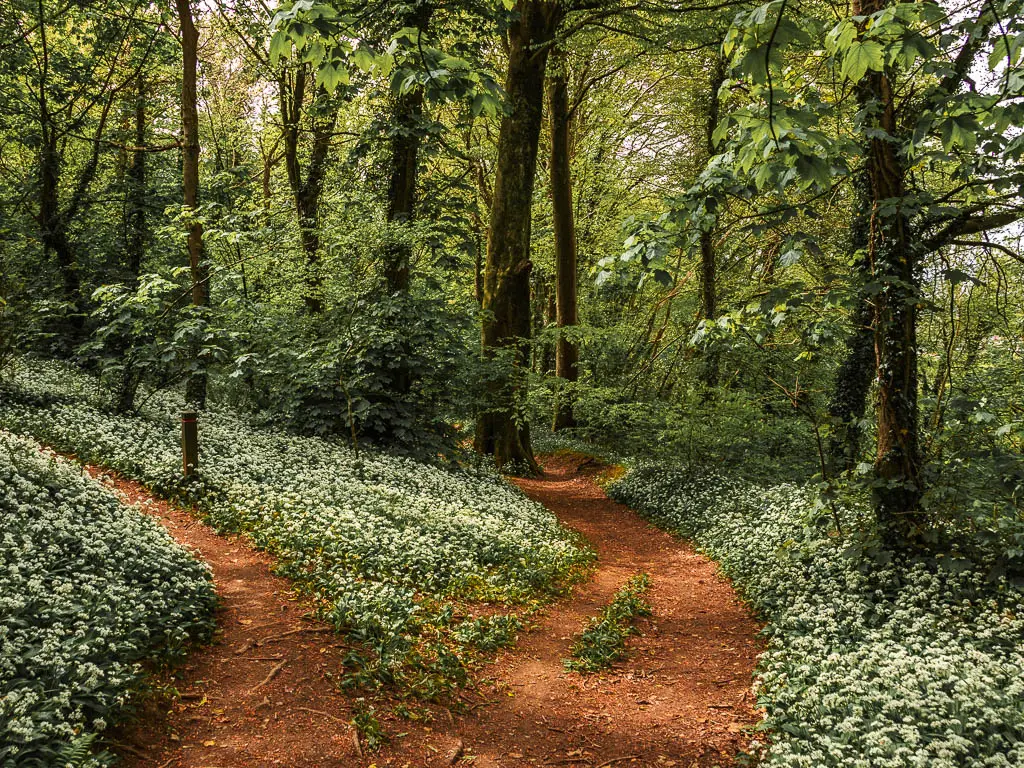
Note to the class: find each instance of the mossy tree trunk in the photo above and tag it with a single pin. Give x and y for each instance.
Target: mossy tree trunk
(307, 191)
(135, 210)
(708, 259)
(848, 403)
(407, 128)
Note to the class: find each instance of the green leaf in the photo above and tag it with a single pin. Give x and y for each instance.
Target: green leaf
(363, 59)
(1002, 52)
(860, 57)
(960, 131)
(314, 54)
(840, 37)
(330, 76)
(755, 64)
(280, 46)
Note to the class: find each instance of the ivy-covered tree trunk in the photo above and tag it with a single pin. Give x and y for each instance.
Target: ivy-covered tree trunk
(708, 267)
(406, 136)
(564, 225)
(895, 267)
(136, 235)
(502, 430)
(849, 400)
(195, 388)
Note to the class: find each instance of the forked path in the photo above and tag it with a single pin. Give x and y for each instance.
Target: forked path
(264, 694)
(681, 698)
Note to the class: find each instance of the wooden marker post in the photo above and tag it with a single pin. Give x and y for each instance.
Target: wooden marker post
(189, 442)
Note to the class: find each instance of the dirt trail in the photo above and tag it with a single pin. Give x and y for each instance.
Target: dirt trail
(681, 698)
(261, 694)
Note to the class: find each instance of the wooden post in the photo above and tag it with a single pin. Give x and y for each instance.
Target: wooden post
(189, 442)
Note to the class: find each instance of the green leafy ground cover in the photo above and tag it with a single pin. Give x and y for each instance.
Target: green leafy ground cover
(603, 642)
(870, 661)
(392, 549)
(89, 590)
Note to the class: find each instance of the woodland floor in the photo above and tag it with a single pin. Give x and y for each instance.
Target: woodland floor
(264, 692)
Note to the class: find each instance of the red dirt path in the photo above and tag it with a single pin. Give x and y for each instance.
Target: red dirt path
(263, 694)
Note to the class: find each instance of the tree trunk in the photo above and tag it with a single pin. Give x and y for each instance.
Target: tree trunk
(707, 272)
(405, 146)
(136, 177)
(502, 430)
(307, 192)
(853, 379)
(894, 263)
(53, 228)
(195, 389)
(51, 220)
(566, 351)
(135, 238)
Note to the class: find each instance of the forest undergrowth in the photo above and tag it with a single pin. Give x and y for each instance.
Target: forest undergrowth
(92, 595)
(873, 659)
(423, 566)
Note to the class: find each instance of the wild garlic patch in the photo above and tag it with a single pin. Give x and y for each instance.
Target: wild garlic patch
(603, 640)
(868, 665)
(89, 588)
(383, 542)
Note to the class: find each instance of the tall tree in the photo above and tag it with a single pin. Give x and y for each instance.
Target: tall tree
(136, 229)
(406, 136)
(708, 260)
(564, 225)
(502, 429)
(195, 389)
(895, 263)
(307, 190)
(67, 67)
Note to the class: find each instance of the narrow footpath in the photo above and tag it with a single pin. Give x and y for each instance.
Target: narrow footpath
(265, 694)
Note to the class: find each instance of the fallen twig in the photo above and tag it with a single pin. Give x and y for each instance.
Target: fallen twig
(457, 752)
(273, 638)
(272, 674)
(131, 750)
(617, 760)
(355, 740)
(324, 714)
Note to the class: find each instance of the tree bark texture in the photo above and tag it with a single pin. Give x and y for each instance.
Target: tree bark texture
(135, 210)
(853, 379)
(708, 263)
(53, 228)
(405, 146)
